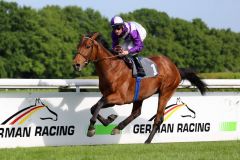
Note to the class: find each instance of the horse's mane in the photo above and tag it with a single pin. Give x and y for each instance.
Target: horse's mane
(102, 40)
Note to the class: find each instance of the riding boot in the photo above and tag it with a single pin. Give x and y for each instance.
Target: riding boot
(140, 70)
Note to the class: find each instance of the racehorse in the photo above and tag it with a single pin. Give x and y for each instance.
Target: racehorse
(117, 84)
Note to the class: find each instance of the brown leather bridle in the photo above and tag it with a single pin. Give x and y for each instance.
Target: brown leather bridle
(87, 59)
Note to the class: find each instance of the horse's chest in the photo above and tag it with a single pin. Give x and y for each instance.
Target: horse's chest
(107, 87)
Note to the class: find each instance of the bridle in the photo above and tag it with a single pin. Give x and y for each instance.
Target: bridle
(88, 59)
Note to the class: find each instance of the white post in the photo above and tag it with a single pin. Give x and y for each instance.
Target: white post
(77, 89)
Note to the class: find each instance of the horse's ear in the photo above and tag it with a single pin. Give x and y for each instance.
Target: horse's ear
(95, 35)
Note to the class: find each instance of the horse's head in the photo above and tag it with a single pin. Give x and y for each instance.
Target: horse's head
(85, 51)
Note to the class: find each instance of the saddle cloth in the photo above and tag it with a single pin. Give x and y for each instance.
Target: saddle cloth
(149, 67)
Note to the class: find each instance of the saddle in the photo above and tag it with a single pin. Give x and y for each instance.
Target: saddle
(149, 66)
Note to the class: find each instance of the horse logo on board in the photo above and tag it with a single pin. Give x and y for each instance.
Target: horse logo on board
(20, 117)
(171, 109)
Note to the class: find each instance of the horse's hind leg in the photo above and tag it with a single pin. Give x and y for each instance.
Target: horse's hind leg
(136, 111)
(162, 102)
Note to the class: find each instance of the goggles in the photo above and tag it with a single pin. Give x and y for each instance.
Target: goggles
(117, 27)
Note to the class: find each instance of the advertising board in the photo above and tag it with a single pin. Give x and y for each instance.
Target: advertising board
(55, 119)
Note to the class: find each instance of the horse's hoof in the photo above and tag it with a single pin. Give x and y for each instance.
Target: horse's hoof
(112, 117)
(147, 142)
(115, 131)
(91, 132)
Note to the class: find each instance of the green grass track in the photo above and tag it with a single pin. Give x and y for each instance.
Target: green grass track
(227, 150)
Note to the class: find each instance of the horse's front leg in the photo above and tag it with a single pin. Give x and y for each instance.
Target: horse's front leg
(95, 112)
(103, 120)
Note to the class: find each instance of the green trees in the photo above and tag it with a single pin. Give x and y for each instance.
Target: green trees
(189, 44)
(42, 43)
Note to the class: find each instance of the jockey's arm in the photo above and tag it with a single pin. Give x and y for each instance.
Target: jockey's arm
(137, 42)
(115, 40)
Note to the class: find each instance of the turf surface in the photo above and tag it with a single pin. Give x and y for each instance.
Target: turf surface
(228, 150)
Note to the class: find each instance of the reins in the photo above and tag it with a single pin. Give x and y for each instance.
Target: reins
(105, 58)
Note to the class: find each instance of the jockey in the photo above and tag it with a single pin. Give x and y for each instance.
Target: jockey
(133, 35)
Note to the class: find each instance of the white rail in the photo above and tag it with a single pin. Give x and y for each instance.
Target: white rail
(49, 83)
(215, 83)
(93, 83)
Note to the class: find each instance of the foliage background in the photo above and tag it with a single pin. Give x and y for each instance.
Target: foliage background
(42, 43)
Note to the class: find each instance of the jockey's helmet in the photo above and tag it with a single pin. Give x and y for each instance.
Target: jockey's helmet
(116, 22)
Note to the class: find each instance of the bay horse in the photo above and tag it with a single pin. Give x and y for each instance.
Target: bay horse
(117, 84)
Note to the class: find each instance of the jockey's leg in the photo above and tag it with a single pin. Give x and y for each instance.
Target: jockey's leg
(139, 66)
(128, 61)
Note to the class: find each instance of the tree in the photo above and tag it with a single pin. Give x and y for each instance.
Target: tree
(42, 43)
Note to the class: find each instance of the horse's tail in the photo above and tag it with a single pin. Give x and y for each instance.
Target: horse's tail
(190, 75)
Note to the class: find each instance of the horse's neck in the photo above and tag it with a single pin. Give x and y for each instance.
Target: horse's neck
(103, 53)
(107, 68)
